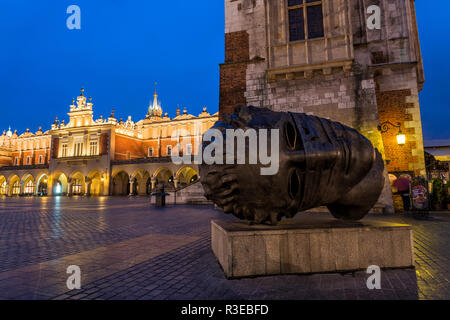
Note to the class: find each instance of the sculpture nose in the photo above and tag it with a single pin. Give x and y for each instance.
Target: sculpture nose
(297, 157)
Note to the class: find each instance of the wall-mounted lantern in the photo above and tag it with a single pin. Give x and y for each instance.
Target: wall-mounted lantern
(401, 137)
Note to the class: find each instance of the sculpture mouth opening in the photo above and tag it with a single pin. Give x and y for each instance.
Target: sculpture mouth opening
(294, 185)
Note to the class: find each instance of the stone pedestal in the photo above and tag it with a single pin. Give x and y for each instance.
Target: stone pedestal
(310, 245)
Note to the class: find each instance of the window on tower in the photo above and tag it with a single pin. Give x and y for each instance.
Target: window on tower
(305, 19)
(150, 152)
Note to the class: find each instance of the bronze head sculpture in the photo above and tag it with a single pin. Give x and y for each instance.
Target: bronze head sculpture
(321, 162)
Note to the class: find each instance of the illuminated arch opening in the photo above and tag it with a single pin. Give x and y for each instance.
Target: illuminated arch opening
(142, 180)
(187, 175)
(59, 184)
(14, 185)
(28, 185)
(164, 175)
(42, 185)
(121, 184)
(78, 184)
(96, 183)
(3, 186)
(147, 183)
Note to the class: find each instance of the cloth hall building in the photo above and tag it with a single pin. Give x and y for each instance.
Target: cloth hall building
(100, 157)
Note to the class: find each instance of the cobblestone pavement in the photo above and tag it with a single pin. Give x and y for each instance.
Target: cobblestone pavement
(129, 250)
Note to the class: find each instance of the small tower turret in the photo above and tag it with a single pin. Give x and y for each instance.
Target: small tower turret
(81, 114)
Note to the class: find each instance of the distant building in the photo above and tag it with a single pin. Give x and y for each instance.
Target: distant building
(321, 58)
(100, 157)
(437, 154)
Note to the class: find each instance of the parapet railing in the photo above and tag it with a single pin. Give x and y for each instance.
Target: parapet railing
(25, 167)
(78, 158)
(187, 185)
(145, 160)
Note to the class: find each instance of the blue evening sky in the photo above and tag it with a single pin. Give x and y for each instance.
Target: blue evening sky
(123, 47)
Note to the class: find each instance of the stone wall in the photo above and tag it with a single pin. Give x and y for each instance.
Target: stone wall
(398, 102)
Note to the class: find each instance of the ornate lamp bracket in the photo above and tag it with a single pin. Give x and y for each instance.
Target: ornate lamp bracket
(384, 127)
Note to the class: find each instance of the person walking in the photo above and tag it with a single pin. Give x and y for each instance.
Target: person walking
(403, 185)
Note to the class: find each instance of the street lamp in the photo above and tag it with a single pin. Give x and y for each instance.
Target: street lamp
(401, 137)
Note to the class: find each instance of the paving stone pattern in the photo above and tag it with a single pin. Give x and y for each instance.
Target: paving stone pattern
(127, 249)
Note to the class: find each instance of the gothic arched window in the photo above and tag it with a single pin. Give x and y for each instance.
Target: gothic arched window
(305, 19)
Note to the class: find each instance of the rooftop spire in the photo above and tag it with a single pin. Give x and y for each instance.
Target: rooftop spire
(155, 110)
(155, 97)
(155, 101)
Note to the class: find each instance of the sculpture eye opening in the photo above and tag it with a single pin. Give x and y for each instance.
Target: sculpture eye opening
(291, 135)
(294, 185)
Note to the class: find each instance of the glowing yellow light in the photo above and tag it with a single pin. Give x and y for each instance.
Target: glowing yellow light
(401, 139)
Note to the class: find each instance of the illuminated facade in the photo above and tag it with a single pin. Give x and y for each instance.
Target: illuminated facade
(100, 157)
